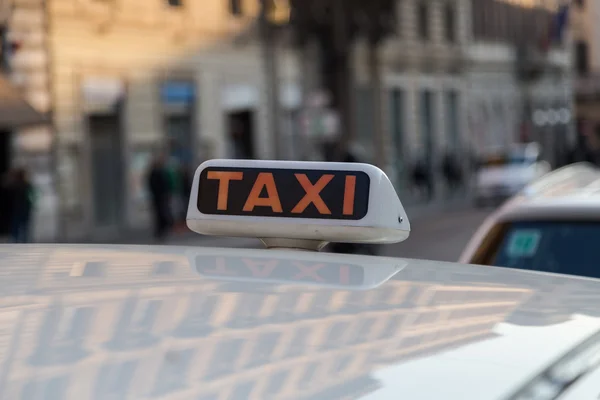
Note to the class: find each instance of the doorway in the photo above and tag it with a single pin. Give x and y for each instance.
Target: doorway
(107, 169)
(240, 125)
(179, 132)
(5, 162)
(427, 137)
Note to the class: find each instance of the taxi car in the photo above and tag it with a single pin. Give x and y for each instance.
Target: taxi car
(289, 322)
(503, 173)
(553, 225)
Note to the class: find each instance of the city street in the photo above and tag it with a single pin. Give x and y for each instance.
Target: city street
(438, 236)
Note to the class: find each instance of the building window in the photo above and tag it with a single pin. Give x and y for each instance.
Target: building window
(450, 23)
(423, 20)
(507, 17)
(397, 103)
(581, 58)
(114, 379)
(493, 23)
(427, 127)
(178, 98)
(235, 7)
(452, 110)
(364, 111)
(477, 14)
(73, 325)
(397, 128)
(175, 3)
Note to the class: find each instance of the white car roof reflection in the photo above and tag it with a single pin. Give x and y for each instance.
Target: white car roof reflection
(88, 322)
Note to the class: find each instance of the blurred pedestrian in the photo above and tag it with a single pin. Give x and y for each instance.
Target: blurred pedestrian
(181, 188)
(5, 204)
(159, 186)
(422, 179)
(452, 172)
(22, 195)
(187, 177)
(238, 134)
(177, 200)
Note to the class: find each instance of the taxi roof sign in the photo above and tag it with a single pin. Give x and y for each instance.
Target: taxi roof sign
(317, 201)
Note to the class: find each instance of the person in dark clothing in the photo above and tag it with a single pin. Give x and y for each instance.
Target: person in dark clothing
(22, 198)
(5, 205)
(452, 172)
(160, 190)
(422, 179)
(187, 176)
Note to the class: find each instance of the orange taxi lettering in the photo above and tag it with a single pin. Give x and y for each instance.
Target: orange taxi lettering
(349, 191)
(309, 271)
(264, 180)
(312, 194)
(224, 177)
(261, 269)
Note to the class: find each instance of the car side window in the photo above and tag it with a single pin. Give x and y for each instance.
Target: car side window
(558, 247)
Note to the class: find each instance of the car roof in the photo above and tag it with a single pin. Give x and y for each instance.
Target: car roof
(82, 322)
(570, 192)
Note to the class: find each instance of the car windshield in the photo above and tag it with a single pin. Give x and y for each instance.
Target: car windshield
(559, 247)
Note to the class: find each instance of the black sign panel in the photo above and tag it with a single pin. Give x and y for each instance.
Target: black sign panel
(292, 193)
(281, 270)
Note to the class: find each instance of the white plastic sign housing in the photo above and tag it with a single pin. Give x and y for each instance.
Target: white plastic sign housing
(318, 201)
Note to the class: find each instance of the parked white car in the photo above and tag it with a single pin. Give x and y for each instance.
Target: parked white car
(553, 225)
(502, 174)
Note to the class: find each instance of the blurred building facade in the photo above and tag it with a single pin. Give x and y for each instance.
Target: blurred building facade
(463, 76)
(20, 108)
(123, 79)
(127, 78)
(424, 92)
(586, 61)
(520, 75)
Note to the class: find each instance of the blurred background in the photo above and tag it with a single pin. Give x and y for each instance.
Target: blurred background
(93, 91)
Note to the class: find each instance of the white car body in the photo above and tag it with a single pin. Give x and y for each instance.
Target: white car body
(524, 166)
(569, 195)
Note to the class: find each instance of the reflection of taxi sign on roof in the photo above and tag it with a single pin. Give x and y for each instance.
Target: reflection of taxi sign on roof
(316, 201)
(324, 270)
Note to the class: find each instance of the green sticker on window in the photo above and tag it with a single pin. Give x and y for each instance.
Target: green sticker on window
(524, 243)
